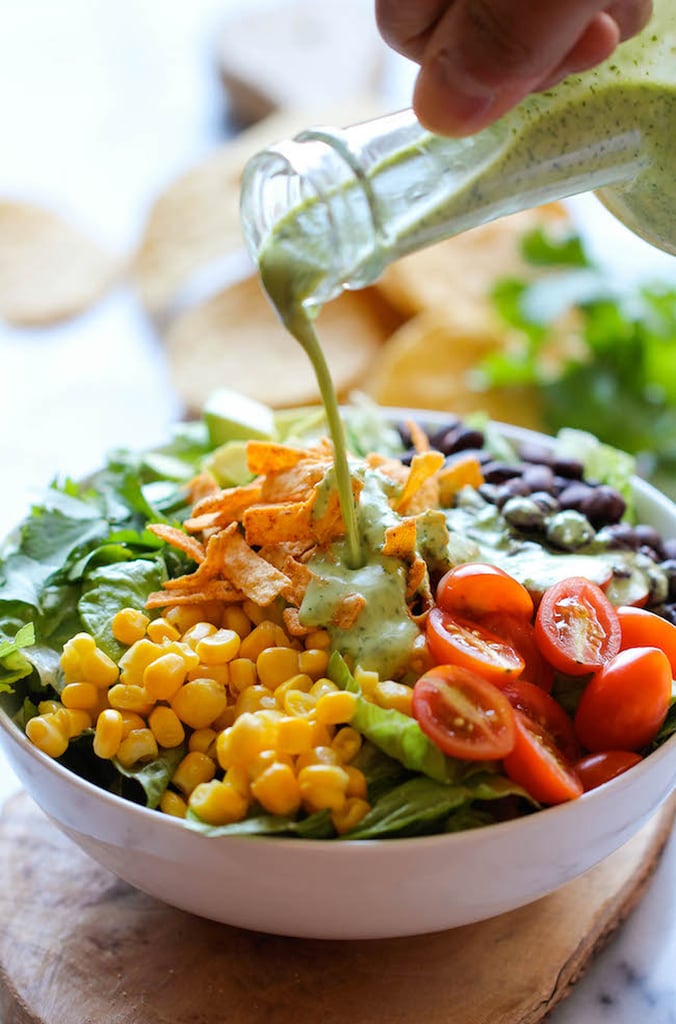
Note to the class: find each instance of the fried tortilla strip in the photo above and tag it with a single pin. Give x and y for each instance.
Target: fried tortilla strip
(265, 457)
(423, 466)
(393, 469)
(400, 540)
(419, 438)
(417, 579)
(348, 611)
(216, 590)
(178, 539)
(293, 624)
(299, 575)
(465, 471)
(223, 508)
(201, 486)
(260, 581)
(329, 525)
(275, 524)
(211, 566)
(295, 483)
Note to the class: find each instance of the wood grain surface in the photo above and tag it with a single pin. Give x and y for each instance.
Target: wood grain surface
(77, 946)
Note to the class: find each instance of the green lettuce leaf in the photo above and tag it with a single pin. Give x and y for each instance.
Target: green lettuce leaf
(111, 587)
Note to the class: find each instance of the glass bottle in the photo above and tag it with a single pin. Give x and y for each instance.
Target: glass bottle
(338, 205)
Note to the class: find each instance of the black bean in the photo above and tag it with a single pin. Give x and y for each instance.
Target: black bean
(480, 454)
(574, 494)
(539, 478)
(569, 530)
(407, 456)
(510, 489)
(491, 493)
(649, 537)
(619, 535)
(404, 434)
(524, 513)
(460, 438)
(498, 472)
(669, 547)
(438, 435)
(546, 501)
(669, 568)
(569, 468)
(603, 505)
(531, 451)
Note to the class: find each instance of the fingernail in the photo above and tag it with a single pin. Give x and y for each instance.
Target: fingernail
(443, 101)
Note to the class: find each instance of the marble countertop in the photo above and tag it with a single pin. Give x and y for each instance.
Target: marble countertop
(102, 104)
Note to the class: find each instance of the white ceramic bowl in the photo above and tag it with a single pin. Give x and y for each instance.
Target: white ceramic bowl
(353, 890)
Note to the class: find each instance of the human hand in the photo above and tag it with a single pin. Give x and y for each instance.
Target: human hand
(479, 58)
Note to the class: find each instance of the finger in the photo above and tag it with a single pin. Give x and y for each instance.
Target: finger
(485, 55)
(594, 46)
(406, 25)
(631, 16)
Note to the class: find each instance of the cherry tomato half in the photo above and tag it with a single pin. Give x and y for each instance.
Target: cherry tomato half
(539, 766)
(624, 704)
(457, 642)
(595, 769)
(576, 627)
(641, 628)
(466, 716)
(547, 713)
(520, 635)
(475, 589)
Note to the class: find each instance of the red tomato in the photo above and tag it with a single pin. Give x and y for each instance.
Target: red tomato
(539, 766)
(520, 634)
(625, 702)
(595, 769)
(465, 715)
(576, 627)
(641, 628)
(456, 642)
(475, 589)
(542, 709)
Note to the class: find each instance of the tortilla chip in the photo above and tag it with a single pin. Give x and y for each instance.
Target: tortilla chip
(275, 524)
(293, 624)
(464, 471)
(201, 486)
(419, 438)
(49, 271)
(296, 483)
(298, 574)
(210, 566)
(400, 540)
(178, 539)
(423, 466)
(265, 457)
(417, 577)
(223, 507)
(239, 338)
(260, 581)
(216, 590)
(348, 611)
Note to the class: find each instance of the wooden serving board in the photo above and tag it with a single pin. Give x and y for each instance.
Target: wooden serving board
(77, 946)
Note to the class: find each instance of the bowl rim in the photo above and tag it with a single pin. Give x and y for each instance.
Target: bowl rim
(146, 814)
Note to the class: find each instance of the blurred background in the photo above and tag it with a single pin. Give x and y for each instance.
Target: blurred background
(125, 295)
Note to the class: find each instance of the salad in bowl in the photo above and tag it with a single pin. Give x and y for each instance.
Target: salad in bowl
(193, 673)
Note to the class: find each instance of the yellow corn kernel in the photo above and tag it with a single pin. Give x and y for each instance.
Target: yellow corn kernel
(197, 633)
(238, 777)
(242, 674)
(73, 721)
(356, 782)
(129, 625)
(74, 651)
(47, 735)
(265, 634)
(313, 661)
(185, 651)
(130, 721)
(348, 816)
(266, 758)
(296, 702)
(140, 745)
(128, 697)
(322, 686)
(366, 680)
(203, 740)
(322, 786)
(218, 803)
(109, 733)
(322, 734)
(346, 744)
(212, 611)
(275, 665)
(100, 670)
(277, 789)
(47, 707)
(254, 612)
(193, 769)
(421, 656)
(221, 673)
(235, 618)
(166, 727)
(300, 682)
(245, 739)
(316, 755)
(294, 735)
(163, 677)
(254, 698)
(173, 804)
(199, 702)
(136, 659)
(336, 708)
(225, 719)
(160, 630)
(394, 695)
(84, 696)
(318, 639)
(219, 647)
(183, 616)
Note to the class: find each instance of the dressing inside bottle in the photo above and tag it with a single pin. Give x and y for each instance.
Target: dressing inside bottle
(331, 208)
